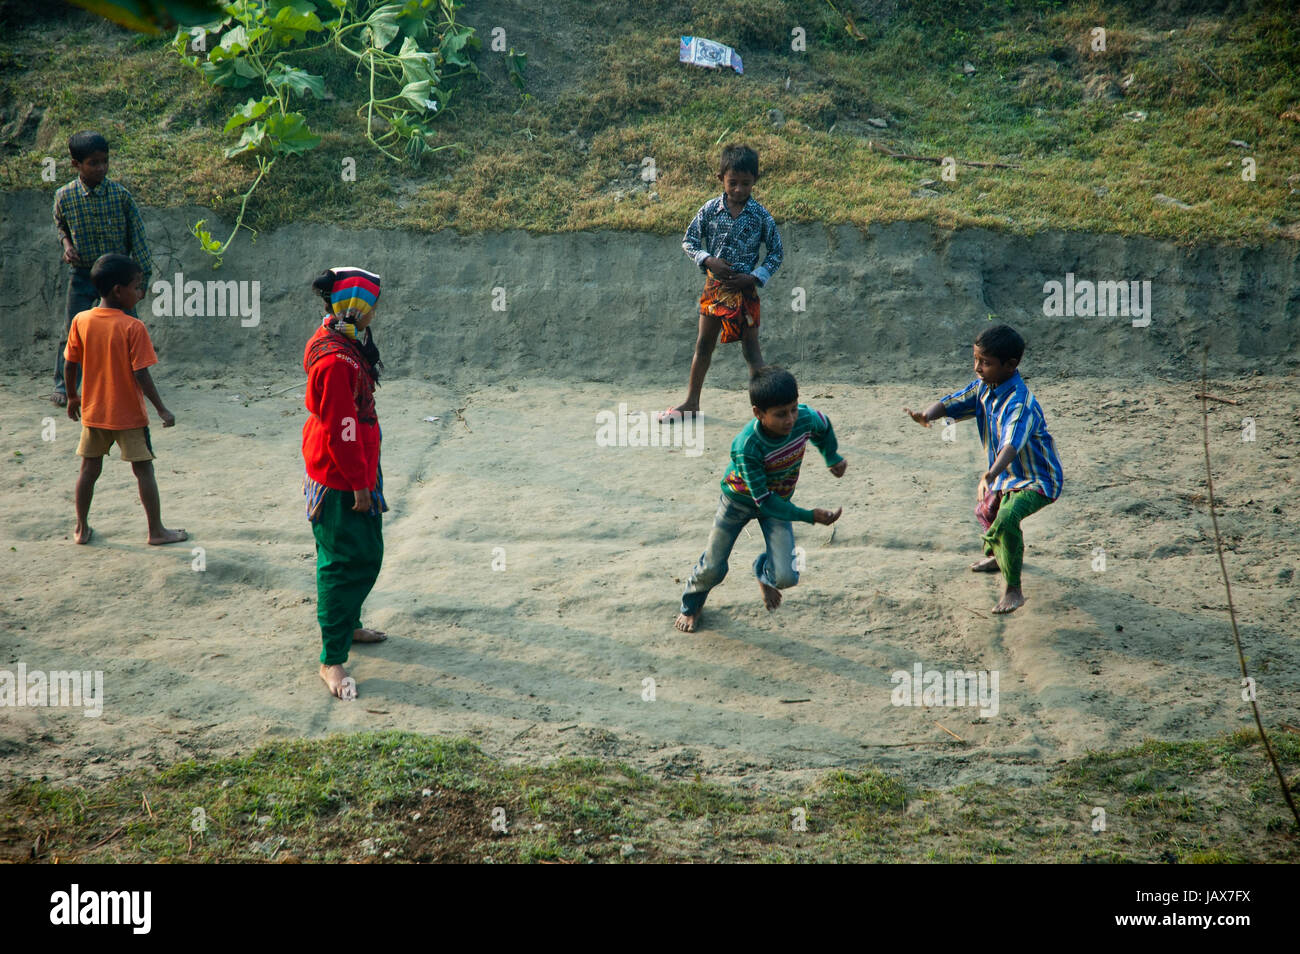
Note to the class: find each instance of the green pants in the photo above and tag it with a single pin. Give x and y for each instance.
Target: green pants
(349, 552)
(1004, 539)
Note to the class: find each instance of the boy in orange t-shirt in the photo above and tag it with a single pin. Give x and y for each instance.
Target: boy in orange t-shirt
(112, 352)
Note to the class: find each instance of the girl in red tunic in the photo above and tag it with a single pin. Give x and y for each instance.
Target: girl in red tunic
(344, 485)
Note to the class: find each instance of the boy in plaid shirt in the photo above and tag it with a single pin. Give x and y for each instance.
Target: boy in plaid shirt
(93, 216)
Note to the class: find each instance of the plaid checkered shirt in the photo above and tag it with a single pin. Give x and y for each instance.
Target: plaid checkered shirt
(101, 221)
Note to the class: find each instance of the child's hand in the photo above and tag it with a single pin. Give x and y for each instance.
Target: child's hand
(168, 418)
(74, 407)
(741, 283)
(839, 469)
(361, 500)
(69, 253)
(826, 517)
(982, 490)
(721, 269)
(918, 416)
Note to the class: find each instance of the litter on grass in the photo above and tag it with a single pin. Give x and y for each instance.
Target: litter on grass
(702, 52)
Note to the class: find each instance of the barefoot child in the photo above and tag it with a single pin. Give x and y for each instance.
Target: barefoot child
(344, 485)
(765, 460)
(93, 216)
(110, 353)
(723, 240)
(1024, 473)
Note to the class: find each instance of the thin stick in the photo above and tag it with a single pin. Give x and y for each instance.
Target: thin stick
(103, 841)
(938, 160)
(289, 388)
(950, 732)
(146, 804)
(1223, 567)
(1219, 399)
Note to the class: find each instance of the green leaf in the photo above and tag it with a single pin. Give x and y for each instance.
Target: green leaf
(300, 81)
(454, 42)
(230, 72)
(251, 110)
(205, 237)
(416, 64)
(417, 94)
(234, 41)
(382, 25)
(515, 63)
(295, 21)
(252, 138)
(289, 134)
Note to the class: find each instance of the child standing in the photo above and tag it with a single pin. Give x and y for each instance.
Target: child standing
(110, 353)
(344, 485)
(765, 460)
(723, 240)
(1024, 473)
(93, 216)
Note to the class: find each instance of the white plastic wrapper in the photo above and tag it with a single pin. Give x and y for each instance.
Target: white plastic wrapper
(702, 52)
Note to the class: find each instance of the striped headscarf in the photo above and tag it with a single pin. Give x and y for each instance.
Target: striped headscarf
(354, 294)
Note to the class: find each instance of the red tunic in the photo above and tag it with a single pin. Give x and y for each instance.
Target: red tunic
(340, 450)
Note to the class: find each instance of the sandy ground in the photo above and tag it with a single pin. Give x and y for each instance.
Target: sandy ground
(548, 656)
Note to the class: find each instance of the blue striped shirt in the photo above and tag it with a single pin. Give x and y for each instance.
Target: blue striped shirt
(735, 240)
(1011, 416)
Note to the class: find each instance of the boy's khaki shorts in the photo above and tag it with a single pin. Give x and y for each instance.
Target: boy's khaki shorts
(133, 443)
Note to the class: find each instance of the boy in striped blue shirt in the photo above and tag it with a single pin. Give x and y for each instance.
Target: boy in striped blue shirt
(1024, 473)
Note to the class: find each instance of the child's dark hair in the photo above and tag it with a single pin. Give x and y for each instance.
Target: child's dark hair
(112, 270)
(738, 158)
(324, 284)
(772, 387)
(1001, 342)
(83, 144)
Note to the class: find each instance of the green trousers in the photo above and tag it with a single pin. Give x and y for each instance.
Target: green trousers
(1004, 539)
(349, 552)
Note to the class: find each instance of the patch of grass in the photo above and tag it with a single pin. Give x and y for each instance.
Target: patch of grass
(397, 796)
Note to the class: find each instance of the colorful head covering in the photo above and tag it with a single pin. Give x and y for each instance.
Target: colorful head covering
(354, 294)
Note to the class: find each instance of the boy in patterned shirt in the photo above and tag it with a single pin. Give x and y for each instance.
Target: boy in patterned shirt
(723, 240)
(94, 216)
(765, 460)
(1024, 473)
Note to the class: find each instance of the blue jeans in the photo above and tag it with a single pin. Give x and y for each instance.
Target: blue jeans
(774, 566)
(81, 297)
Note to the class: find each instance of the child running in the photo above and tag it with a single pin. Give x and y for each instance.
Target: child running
(765, 460)
(344, 485)
(1024, 473)
(110, 353)
(723, 240)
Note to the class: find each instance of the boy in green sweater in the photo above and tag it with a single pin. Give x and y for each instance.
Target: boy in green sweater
(765, 460)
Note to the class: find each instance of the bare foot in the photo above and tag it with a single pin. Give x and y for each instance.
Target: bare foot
(59, 399)
(364, 635)
(83, 534)
(339, 682)
(687, 623)
(986, 565)
(675, 414)
(771, 596)
(1011, 600)
(168, 536)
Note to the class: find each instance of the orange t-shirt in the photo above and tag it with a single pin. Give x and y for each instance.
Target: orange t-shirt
(110, 346)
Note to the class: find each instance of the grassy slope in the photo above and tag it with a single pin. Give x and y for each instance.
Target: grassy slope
(402, 797)
(557, 162)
